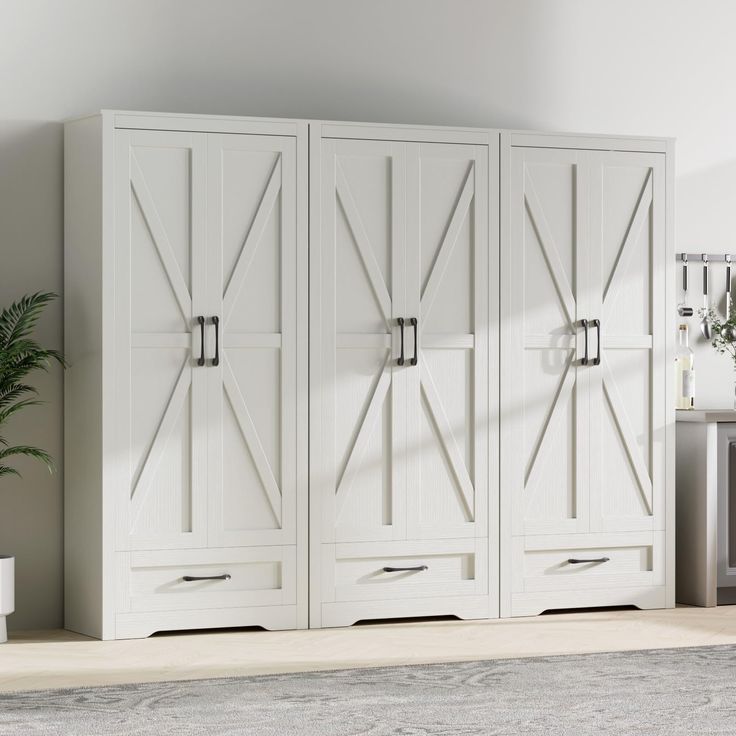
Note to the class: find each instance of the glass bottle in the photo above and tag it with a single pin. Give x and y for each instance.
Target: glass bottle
(685, 377)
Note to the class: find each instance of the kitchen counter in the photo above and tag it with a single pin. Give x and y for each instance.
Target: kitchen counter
(706, 415)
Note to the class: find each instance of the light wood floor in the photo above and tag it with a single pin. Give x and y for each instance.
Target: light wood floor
(46, 659)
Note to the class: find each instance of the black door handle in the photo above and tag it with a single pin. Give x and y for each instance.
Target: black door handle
(414, 322)
(216, 323)
(574, 561)
(200, 360)
(400, 359)
(194, 578)
(597, 324)
(584, 359)
(416, 568)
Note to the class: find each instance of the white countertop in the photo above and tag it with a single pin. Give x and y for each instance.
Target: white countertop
(706, 415)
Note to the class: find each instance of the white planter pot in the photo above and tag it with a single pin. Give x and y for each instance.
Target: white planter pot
(7, 592)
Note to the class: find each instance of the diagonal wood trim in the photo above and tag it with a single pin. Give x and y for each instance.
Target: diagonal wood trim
(160, 238)
(361, 441)
(352, 215)
(551, 427)
(627, 434)
(163, 432)
(448, 242)
(549, 248)
(252, 240)
(250, 435)
(448, 442)
(620, 267)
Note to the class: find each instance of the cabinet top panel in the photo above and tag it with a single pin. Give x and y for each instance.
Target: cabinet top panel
(354, 129)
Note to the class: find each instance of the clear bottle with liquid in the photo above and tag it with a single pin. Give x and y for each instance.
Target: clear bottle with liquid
(685, 377)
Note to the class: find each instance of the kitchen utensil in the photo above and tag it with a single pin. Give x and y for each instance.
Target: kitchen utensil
(729, 331)
(684, 310)
(728, 286)
(704, 323)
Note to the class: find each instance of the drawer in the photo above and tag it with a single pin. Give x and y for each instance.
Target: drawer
(157, 581)
(373, 570)
(589, 561)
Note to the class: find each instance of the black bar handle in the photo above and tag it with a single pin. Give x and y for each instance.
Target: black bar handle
(584, 359)
(200, 360)
(400, 360)
(574, 561)
(416, 568)
(597, 324)
(194, 578)
(216, 323)
(414, 322)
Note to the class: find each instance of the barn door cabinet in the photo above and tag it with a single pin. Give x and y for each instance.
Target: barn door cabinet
(186, 398)
(403, 415)
(586, 394)
(326, 372)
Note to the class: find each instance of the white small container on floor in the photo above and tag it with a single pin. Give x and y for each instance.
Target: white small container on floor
(7, 592)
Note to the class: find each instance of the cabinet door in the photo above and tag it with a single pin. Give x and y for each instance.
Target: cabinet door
(544, 295)
(447, 391)
(357, 389)
(627, 389)
(159, 292)
(254, 291)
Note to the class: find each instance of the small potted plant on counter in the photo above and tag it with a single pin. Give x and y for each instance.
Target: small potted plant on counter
(19, 356)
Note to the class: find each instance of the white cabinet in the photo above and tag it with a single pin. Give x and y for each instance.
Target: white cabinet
(585, 386)
(400, 376)
(325, 372)
(203, 366)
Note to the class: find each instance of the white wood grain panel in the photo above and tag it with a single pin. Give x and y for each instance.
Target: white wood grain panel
(346, 613)
(643, 597)
(140, 625)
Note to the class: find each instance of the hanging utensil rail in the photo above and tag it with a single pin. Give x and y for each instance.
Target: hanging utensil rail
(712, 257)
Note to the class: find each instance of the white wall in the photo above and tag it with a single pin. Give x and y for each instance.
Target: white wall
(659, 67)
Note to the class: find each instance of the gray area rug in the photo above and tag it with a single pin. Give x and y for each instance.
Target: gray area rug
(673, 691)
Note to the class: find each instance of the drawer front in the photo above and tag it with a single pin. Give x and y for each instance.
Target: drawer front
(587, 562)
(157, 581)
(373, 571)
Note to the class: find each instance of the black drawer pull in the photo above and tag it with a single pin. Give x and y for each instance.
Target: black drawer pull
(417, 568)
(400, 359)
(216, 323)
(597, 324)
(194, 578)
(200, 360)
(414, 322)
(574, 561)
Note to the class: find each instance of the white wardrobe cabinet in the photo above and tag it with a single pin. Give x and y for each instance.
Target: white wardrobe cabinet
(585, 377)
(188, 249)
(326, 372)
(403, 413)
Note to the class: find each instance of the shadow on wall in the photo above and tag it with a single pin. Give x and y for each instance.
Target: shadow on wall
(31, 239)
(706, 223)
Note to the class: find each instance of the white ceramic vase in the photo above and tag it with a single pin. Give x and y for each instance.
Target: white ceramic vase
(7, 592)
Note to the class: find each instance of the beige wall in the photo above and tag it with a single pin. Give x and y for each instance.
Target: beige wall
(659, 67)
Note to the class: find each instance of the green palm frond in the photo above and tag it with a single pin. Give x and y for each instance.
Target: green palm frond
(28, 451)
(5, 414)
(19, 319)
(19, 356)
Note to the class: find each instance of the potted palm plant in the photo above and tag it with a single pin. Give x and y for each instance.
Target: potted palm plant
(19, 356)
